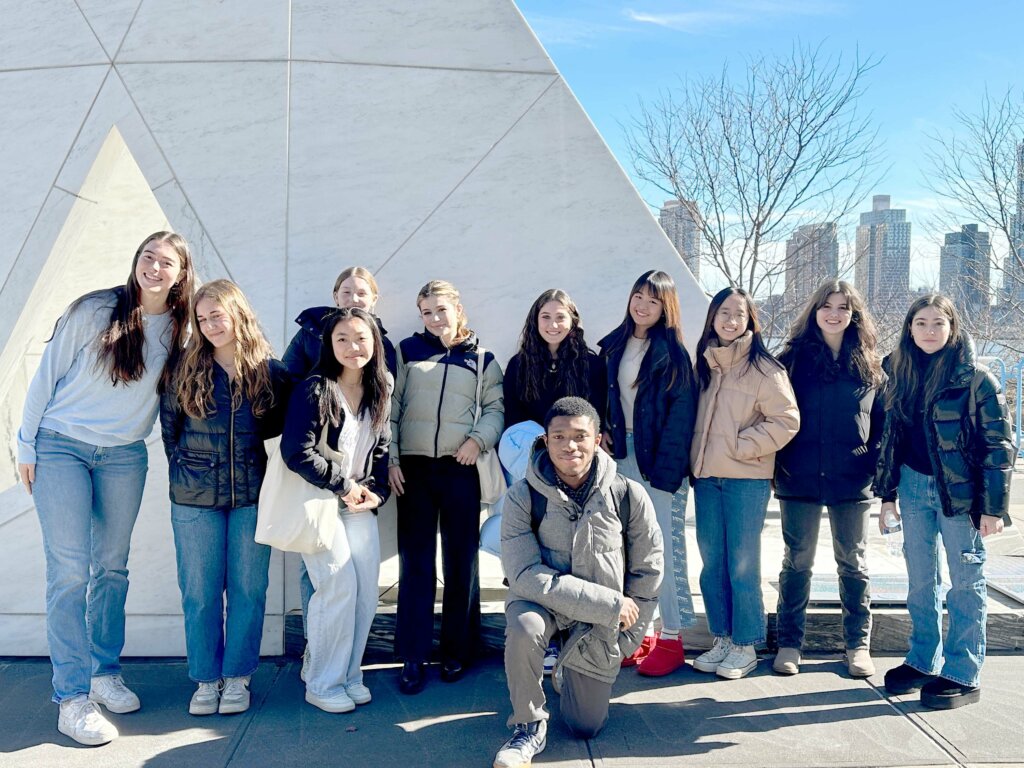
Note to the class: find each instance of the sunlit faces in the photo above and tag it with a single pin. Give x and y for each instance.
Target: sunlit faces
(354, 292)
(352, 341)
(571, 442)
(554, 322)
(440, 316)
(158, 268)
(834, 315)
(731, 319)
(930, 329)
(215, 323)
(645, 308)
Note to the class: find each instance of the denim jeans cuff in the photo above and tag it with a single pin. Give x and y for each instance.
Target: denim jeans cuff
(973, 683)
(760, 640)
(250, 673)
(922, 671)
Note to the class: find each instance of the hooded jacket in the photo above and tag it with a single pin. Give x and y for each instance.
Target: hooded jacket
(574, 565)
(971, 453)
(303, 351)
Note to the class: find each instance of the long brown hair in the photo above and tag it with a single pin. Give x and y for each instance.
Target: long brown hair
(906, 379)
(860, 340)
(446, 290)
(376, 388)
(535, 353)
(194, 376)
(759, 355)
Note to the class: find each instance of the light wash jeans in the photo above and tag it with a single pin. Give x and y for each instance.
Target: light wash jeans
(730, 516)
(675, 603)
(960, 658)
(87, 499)
(343, 604)
(216, 553)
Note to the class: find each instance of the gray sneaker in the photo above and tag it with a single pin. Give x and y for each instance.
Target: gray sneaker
(528, 740)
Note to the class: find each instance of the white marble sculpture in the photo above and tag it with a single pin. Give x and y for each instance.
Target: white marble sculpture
(287, 139)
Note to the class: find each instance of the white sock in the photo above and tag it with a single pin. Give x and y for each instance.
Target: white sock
(669, 634)
(650, 630)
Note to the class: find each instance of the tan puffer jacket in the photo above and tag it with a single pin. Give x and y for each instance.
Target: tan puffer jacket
(743, 417)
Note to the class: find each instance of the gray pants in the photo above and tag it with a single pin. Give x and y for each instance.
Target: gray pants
(800, 523)
(584, 706)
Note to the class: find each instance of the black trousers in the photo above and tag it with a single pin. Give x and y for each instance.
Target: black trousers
(438, 490)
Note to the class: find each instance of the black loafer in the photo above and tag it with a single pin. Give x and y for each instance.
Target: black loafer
(905, 679)
(414, 677)
(451, 671)
(942, 693)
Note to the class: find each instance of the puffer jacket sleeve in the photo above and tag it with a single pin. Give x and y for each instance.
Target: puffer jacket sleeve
(297, 359)
(488, 429)
(993, 445)
(172, 419)
(645, 556)
(272, 422)
(777, 404)
(378, 479)
(531, 579)
(396, 405)
(301, 436)
(672, 461)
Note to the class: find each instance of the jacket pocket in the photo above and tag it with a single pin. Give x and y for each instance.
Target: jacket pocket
(195, 477)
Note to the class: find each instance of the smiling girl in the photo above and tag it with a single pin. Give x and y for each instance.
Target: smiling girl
(82, 455)
(228, 397)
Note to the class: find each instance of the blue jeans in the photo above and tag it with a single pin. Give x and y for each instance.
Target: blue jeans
(674, 601)
(87, 499)
(960, 658)
(217, 553)
(730, 516)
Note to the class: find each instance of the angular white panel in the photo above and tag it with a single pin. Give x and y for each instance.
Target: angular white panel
(46, 34)
(184, 220)
(462, 34)
(360, 180)
(227, 30)
(109, 20)
(498, 239)
(43, 110)
(228, 152)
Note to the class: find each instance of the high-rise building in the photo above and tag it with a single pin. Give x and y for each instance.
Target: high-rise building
(1013, 267)
(883, 254)
(964, 268)
(679, 219)
(812, 256)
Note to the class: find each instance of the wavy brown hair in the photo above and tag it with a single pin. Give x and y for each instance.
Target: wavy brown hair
(759, 355)
(445, 290)
(376, 379)
(194, 376)
(905, 380)
(860, 340)
(535, 353)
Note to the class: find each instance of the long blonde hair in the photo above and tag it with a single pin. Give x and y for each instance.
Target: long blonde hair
(194, 376)
(445, 290)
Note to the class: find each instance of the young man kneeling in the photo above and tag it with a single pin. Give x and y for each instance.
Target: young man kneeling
(582, 552)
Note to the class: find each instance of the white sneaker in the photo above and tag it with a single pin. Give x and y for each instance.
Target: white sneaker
(709, 660)
(339, 702)
(528, 740)
(112, 693)
(787, 661)
(81, 720)
(550, 659)
(305, 663)
(235, 697)
(206, 698)
(739, 663)
(359, 693)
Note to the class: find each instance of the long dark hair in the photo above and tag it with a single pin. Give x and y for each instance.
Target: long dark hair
(121, 345)
(860, 340)
(758, 356)
(534, 352)
(906, 380)
(661, 286)
(376, 390)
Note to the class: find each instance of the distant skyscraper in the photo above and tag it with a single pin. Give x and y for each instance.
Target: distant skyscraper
(679, 220)
(883, 254)
(1013, 269)
(812, 256)
(964, 268)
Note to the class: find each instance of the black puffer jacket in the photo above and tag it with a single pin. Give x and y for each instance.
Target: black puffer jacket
(220, 461)
(553, 387)
(832, 458)
(663, 416)
(303, 351)
(971, 453)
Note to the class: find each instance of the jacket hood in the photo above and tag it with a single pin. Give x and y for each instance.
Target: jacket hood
(541, 473)
(312, 320)
(468, 344)
(725, 358)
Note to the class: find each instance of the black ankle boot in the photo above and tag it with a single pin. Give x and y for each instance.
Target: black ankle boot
(905, 679)
(414, 677)
(452, 670)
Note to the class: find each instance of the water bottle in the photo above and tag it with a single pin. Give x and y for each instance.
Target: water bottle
(893, 533)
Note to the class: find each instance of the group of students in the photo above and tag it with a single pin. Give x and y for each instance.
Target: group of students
(826, 421)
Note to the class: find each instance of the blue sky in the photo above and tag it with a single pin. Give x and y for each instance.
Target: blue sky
(933, 56)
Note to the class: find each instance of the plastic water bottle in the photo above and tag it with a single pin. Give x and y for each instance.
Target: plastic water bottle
(893, 533)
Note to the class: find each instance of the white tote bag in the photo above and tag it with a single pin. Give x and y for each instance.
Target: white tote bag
(294, 515)
(492, 479)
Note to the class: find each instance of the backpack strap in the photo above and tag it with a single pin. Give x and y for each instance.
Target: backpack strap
(620, 501)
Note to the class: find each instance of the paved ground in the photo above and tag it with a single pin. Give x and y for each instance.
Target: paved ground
(818, 718)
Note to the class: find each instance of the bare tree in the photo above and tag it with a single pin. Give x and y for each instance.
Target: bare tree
(756, 156)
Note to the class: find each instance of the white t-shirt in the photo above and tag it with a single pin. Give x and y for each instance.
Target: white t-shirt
(355, 443)
(629, 369)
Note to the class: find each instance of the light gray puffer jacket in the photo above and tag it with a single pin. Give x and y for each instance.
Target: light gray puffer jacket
(575, 568)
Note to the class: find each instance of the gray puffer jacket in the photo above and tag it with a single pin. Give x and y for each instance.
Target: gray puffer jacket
(574, 567)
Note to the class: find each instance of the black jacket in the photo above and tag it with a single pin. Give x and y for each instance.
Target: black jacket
(552, 388)
(663, 416)
(302, 430)
(971, 453)
(219, 461)
(303, 351)
(832, 458)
